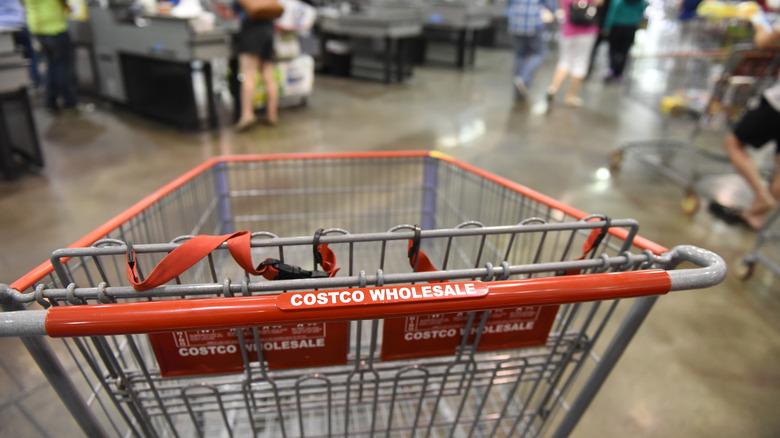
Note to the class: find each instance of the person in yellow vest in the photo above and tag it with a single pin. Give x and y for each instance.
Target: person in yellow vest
(47, 21)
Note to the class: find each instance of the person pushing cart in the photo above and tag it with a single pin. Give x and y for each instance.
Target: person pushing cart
(756, 127)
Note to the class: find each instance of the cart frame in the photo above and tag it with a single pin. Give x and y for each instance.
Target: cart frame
(766, 236)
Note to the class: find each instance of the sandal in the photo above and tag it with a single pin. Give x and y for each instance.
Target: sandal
(242, 126)
(574, 102)
(731, 216)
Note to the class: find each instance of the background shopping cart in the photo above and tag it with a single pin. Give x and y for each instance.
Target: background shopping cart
(707, 91)
(765, 250)
(474, 227)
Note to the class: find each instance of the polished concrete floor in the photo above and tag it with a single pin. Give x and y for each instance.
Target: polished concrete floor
(705, 363)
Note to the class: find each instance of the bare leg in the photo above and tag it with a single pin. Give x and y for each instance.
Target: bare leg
(774, 188)
(247, 65)
(763, 200)
(272, 92)
(558, 77)
(571, 94)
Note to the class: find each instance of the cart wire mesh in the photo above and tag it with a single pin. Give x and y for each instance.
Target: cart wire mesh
(474, 227)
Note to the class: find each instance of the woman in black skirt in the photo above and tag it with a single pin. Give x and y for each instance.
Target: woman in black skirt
(255, 47)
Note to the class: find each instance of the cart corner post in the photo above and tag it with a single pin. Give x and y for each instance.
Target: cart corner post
(58, 378)
(222, 189)
(430, 188)
(630, 325)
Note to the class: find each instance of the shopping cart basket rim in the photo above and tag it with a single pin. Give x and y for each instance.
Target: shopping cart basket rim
(221, 312)
(38, 273)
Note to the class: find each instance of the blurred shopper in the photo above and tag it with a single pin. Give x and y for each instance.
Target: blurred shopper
(11, 15)
(13, 18)
(622, 20)
(255, 47)
(758, 126)
(47, 21)
(527, 29)
(601, 38)
(688, 9)
(574, 57)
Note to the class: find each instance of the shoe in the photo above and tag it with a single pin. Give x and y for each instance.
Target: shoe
(522, 90)
(72, 110)
(729, 215)
(243, 125)
(550, 97)
(574, 102)
(52, 108)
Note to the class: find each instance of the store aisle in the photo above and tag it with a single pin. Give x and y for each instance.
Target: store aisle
(705, 364)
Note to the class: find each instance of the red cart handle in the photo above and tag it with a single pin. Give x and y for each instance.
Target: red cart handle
(239, 245)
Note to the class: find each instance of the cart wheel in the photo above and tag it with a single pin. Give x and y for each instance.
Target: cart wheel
(615, 160)
(689, 202)
(745, 270)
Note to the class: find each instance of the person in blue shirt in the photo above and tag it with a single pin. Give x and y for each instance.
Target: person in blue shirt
(13, 18)
(526, 27)
(11, 15)
(688, 9)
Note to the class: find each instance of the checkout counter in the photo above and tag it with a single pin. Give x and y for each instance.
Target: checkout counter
(160, 67)
(157, 66)
(396, 34)
(497, 35)
(19, 146)
(457, 24)
(374, 39)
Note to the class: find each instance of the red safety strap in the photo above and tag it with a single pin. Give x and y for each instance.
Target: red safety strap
(328, 261)
(239, 245)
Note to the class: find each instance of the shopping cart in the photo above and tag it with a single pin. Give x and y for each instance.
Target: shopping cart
(765, 251)
(401, 294)
(665, 34)
(711, 89)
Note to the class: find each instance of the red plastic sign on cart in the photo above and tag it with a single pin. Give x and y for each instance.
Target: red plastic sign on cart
(439, 335)
(284, 346)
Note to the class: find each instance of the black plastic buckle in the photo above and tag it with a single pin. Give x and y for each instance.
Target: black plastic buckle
(290, 272)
